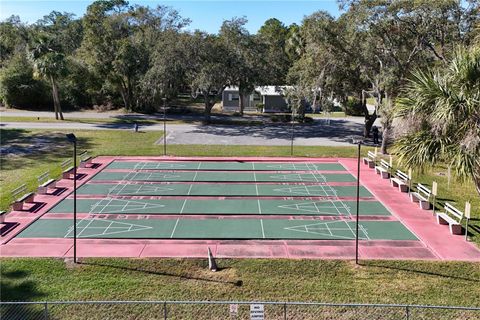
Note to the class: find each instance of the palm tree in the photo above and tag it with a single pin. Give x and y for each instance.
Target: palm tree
(49, 64)
(443, 109)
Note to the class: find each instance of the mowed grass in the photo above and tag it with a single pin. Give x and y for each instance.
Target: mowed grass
(409, 282)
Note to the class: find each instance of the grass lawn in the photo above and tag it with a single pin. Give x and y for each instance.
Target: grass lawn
(411, 282)
(408, 282)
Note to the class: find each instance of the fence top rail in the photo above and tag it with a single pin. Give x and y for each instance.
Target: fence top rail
(291, 303)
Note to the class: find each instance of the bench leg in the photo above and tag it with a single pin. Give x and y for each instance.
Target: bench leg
(403, 188)
(371, 164)
(30, 199)
(17, 206)
(424, 205)
(413, 198)
(440, 220)
(385, 175)
(42, 190)
(456, 229)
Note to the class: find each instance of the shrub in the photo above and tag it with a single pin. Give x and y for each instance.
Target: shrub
(18, 88)
(354, 107)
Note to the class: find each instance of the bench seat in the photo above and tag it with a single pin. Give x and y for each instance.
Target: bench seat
(85, 161)
(370, 162)
(383, 172)
(422, 201)
(67, 173)
(26, 198)
(455, 226)
(43, 189)
(401, 184)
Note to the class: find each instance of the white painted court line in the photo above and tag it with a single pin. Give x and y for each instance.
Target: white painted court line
(174, 228)
(263, 230)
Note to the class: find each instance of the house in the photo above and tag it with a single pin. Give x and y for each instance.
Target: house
(272, 98)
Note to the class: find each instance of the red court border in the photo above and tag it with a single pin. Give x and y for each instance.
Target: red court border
(436, 241)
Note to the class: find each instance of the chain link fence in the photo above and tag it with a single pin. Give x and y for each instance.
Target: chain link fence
(197, 310)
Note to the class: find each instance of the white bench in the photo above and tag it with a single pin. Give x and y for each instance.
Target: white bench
(452, 216)
(400, 180)
(45, 183)
(422, 196)
(383, 169)
(3, 214)
(370, 159)
(85, 160)
(67, 169)
(28, 197)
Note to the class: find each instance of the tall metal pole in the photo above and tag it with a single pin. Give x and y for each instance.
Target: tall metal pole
(292, 136)
(75, 202)
(358, 202)
(164, 128)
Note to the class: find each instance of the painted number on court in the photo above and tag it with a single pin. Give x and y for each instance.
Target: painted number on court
(256, 312)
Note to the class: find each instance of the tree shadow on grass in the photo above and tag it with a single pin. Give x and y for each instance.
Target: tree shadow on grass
(18, 145)
(15, 286)
(237, 283)
(417, 270)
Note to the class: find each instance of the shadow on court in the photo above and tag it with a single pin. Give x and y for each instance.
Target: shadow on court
(237, 283)
(448, 274)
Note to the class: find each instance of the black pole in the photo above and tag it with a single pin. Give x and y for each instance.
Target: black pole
(358, 202)
(75, 202)
(292, 137)
(164, 128)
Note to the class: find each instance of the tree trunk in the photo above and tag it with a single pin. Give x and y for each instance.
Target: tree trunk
(208, 107)
(56, 100)
(242, 99)
(385, 136)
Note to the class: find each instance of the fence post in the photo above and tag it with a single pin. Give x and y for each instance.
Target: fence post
(165, 310)
(45, 310)
(407, 313)
(285, 311)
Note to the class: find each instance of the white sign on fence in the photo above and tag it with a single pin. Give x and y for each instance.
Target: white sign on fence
(233, 310)
(256, 312)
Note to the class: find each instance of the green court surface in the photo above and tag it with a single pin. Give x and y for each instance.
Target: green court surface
(220, 165)
(221, 189)
(206, 207)
(217, 229)
(202, 176)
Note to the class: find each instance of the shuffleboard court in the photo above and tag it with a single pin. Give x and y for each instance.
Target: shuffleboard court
(202, 176)
(220, 189)
(224, 207)
(217, 229)
(225, 165)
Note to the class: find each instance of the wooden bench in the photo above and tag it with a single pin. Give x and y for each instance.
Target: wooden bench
(422, 196)
(370, 159)
(67, 169)
(85, 159)
(383, 169)
(451, 216)
(45, 183)
(3, 214)
(400, 180)
(28, 197)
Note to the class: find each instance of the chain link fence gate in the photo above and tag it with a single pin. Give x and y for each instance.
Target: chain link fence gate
(241, 310)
